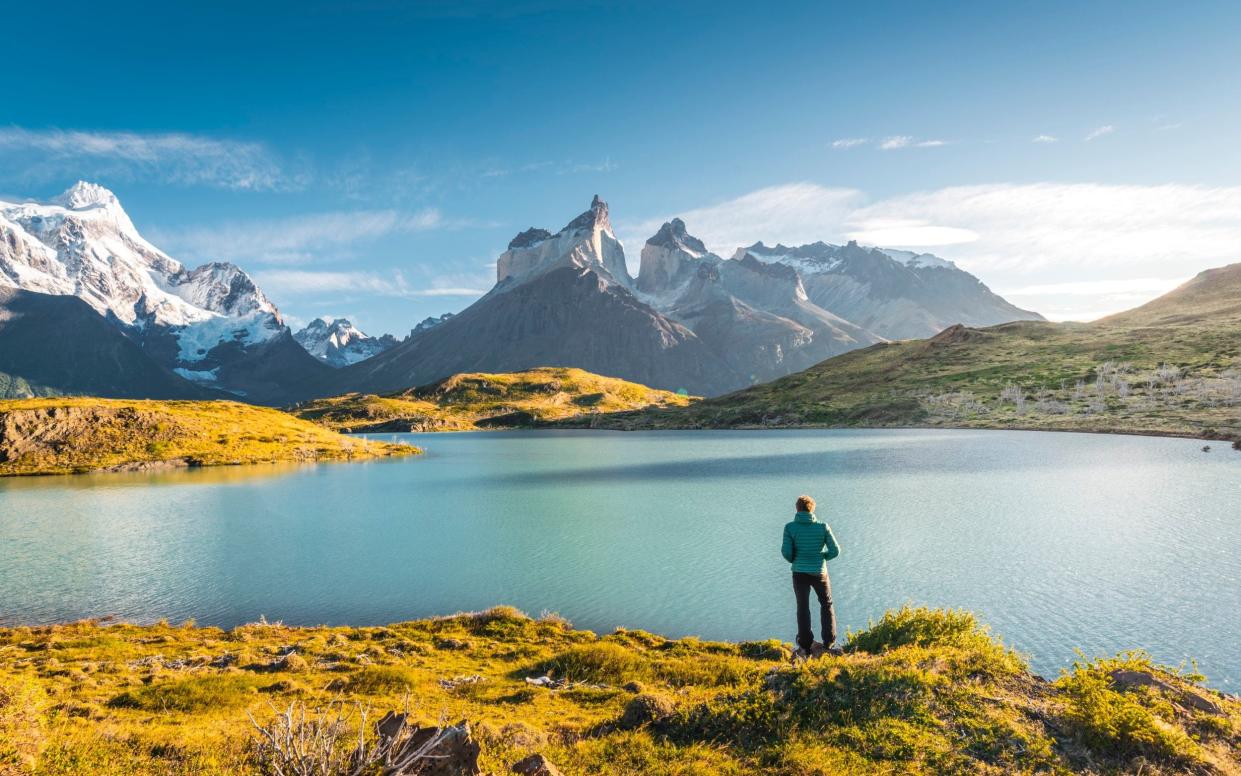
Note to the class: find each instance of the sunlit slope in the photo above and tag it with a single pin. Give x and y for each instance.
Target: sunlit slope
(62, 435)
(1168, 367)
(479, 400)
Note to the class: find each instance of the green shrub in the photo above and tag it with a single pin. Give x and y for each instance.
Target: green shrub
(771, 649)
(1121, 724)
(602, 662)
(192, 694)
(936, 628)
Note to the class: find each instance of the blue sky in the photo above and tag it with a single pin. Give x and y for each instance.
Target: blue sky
(371, 159)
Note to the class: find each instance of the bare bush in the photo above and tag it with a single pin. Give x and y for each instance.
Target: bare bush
(1050, 406)
(319, 742)
(1015, 394)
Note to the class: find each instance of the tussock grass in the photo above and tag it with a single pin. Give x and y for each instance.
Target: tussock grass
(191, 694)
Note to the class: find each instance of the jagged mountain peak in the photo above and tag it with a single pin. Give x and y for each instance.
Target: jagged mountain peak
(532, 236)
(338, 342)
(595, 217)
(84, 194)
(674, 235)
(586, 242)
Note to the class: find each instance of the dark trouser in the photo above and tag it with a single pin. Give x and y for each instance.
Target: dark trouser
(802, 585)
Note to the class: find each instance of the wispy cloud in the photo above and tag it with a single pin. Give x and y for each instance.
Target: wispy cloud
(297, 239)
(558, 168)
(848, 142)
(1045, 139)
(896, 142)
(794, 212)
(1096, 287)
(171, 158)
(393, 284)
(1099, 132)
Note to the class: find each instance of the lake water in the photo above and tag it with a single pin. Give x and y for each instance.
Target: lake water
(1058, 541)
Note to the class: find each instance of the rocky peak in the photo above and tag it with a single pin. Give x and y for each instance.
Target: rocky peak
(430, 322)
(595, 217)
(532, 236)
(673, 235)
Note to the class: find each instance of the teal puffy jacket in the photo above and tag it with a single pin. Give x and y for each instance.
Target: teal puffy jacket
(808, 544)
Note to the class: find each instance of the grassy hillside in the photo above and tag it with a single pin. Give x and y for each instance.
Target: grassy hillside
(1170, 367)
(63, 435)
(918, 692)
(479, 400)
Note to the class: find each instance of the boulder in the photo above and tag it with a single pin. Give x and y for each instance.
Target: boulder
(535, 765)
(645, 709)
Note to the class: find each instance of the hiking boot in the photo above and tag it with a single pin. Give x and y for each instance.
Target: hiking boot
(834, 651)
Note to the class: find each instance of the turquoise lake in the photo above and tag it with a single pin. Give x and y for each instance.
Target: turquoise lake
(1057, 541)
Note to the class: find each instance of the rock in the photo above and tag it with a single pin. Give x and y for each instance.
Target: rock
(291, 662)
(1125, 679)
(452, 644)
(461, 681)
(535, 765)
(456, 755)
(645, 709)
(634, 687)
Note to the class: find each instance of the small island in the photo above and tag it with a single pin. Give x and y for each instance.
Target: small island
(73, 435)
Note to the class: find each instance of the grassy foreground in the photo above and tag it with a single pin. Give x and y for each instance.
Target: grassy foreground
(478, 400)
(66, 435)
(921, 691)
(1171, 367)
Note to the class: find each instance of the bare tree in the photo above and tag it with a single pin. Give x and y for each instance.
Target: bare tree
(301, 742)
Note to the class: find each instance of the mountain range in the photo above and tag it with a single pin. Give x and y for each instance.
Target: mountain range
(339, 343)
(690, 320)
(211, 325)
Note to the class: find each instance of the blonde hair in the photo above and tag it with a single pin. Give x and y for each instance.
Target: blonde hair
(805, 504)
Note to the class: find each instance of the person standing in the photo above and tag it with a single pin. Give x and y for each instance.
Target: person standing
(808, 545)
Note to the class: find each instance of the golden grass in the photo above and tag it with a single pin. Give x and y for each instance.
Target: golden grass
(65, 435)
(469, 401)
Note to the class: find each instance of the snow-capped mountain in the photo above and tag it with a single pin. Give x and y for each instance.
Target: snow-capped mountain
(204, 323)
(756, 316)
(896, 294)
(339, 343)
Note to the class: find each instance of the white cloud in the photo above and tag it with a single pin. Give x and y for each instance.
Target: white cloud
(897, 142)
(1096, 287)
(904, 233)
(1045, 139)
(794, 212)
(172, 158)
(1064, 249)
(293, 240)
(302, 282)
(849, 142)
(1099, 132)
